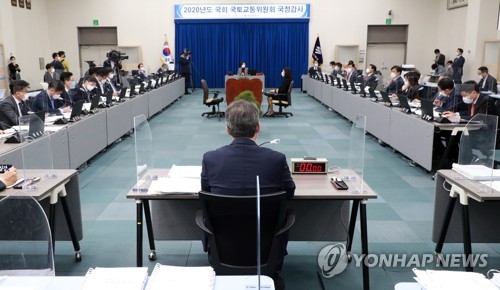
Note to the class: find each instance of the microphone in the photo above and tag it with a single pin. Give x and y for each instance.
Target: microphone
(15, 138)
(274, 141)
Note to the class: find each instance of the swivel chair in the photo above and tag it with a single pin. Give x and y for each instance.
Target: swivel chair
(211, 102)
(230, 224)
(282, 101)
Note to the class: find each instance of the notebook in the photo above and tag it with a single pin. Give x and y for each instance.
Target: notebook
(125, 278)
(186, 278)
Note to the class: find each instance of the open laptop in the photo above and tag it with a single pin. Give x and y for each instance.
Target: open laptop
(403, 103)
(332, 80)
(76, 111)
(428, 114)
(36, 124)
(353, 87)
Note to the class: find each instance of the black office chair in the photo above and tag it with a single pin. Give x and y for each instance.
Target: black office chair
(230, 224)
(211, 102)
(282, 100)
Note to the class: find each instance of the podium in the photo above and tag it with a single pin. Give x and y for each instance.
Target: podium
(237, 84)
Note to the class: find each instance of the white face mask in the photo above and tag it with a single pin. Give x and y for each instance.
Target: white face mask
(283, 74)
(315, 64)
(368, 70)
(56, 97)
(336, 68)
(52, 70)
(90, 87)
(243, 66)
(111, 76)
(467, 99)
(393, 75)
(480, 77)
(349, 70)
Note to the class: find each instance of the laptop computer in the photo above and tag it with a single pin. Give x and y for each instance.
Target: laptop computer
(332, 80)
(94, 104)
(36, 124)
(403, 103)
(76, 111)
(427, 109)
(373, 96)
(109, 98)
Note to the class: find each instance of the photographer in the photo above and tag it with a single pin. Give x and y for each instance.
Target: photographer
(185, 63)
(114, 62)
(14, 69)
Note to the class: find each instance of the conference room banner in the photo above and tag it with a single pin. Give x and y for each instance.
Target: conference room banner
(242, 11)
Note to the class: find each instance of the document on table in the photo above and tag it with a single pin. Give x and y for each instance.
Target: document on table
(477, 172)
(180, 179)
(126, 278)
(452, 280)
(186, 278)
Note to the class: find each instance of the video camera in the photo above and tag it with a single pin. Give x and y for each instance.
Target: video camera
(116, 56)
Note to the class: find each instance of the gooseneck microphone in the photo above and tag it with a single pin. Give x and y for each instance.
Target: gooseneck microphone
(274, 141)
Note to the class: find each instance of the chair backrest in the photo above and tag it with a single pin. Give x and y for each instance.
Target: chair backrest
(25, 240)
(233, 221)
(204, 86)
(289, 94)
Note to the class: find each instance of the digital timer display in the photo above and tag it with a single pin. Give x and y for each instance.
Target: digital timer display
(303, 166)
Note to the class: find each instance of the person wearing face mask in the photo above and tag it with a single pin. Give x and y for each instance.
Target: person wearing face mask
(315, 69)
(395, 86)
(486, 81)
(141, 73)
(351, 73)
(14, 69)
(103, 86)
(50, 100)
(63, 60)
(50, 74)
(449, 100)
(87, 91)
(69, 88)
(477, 103)
(14, 106)
(449, 70)
(411, 88)
(370, 79)
(242, 70)
(57, 63)
(458, 66)
(286, 74)
(439, 59)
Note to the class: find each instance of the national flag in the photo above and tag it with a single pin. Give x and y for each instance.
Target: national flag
(317, 54)
(166, 56)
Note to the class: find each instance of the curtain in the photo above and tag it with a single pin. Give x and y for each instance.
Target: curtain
(218, 47)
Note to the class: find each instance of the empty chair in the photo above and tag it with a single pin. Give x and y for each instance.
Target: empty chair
(25, 239)
(211, 102)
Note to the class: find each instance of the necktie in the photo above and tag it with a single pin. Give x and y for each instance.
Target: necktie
(52, 103)
(21, 107)
(472, 109)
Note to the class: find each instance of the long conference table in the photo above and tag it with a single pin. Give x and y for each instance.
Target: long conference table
(406, 133)
(75, 143)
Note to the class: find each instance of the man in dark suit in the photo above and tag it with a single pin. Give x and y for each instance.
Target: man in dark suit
(14, 106)
(487, 82)
(50, 100)
(69, 86)
(458, 66)
(87, 91)
(231, 169)
(185, 68)
(141, 73)
(397, 82)
(370, 78)
(315, 70)
(477, 103)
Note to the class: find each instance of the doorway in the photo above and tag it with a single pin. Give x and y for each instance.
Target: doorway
(94, 43)
(95, 53)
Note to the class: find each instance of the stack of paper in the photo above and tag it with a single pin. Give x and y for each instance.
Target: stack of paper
(477, 172)
(181, 278)
(180, 179)
(115, 279)
(452, 280)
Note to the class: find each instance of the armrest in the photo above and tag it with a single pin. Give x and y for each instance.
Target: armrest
(289, 221)
(201, 223)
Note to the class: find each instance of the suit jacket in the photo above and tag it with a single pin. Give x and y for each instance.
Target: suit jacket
(491, 84)
(395, 87)
(82, 94)
(142, 75)
(458, 66)
(48, 77)
(371, 81)
(353, 77)
(43, 102)
(231, 170)
(242, 71)
(453, 103)
(412, 93)
(439, 60)
(185, 66)
(285, 85)
(484, 105)
(9, 112)
(68, 97)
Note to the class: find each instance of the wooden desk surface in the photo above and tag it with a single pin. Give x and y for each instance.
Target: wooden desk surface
(474, 188)
(308, 186)
(44, 186)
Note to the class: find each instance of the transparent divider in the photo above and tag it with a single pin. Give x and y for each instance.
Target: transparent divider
(25, 240)
(356, 158)
(36, 152)
(476, 155)
(143, 141)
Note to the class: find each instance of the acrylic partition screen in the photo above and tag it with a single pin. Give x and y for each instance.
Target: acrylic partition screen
(477, 149)
(356, 158)
(25, 240)
(143, 141)
(36, 147)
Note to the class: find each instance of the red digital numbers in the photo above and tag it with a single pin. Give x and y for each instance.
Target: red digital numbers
(310, 167)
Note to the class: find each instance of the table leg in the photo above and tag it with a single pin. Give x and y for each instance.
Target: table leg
(139, 232)
(69, 221)
(52, 223)
(364, 245)
(467, 238)
(352, 224)
(149, 228)
(446, 223)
